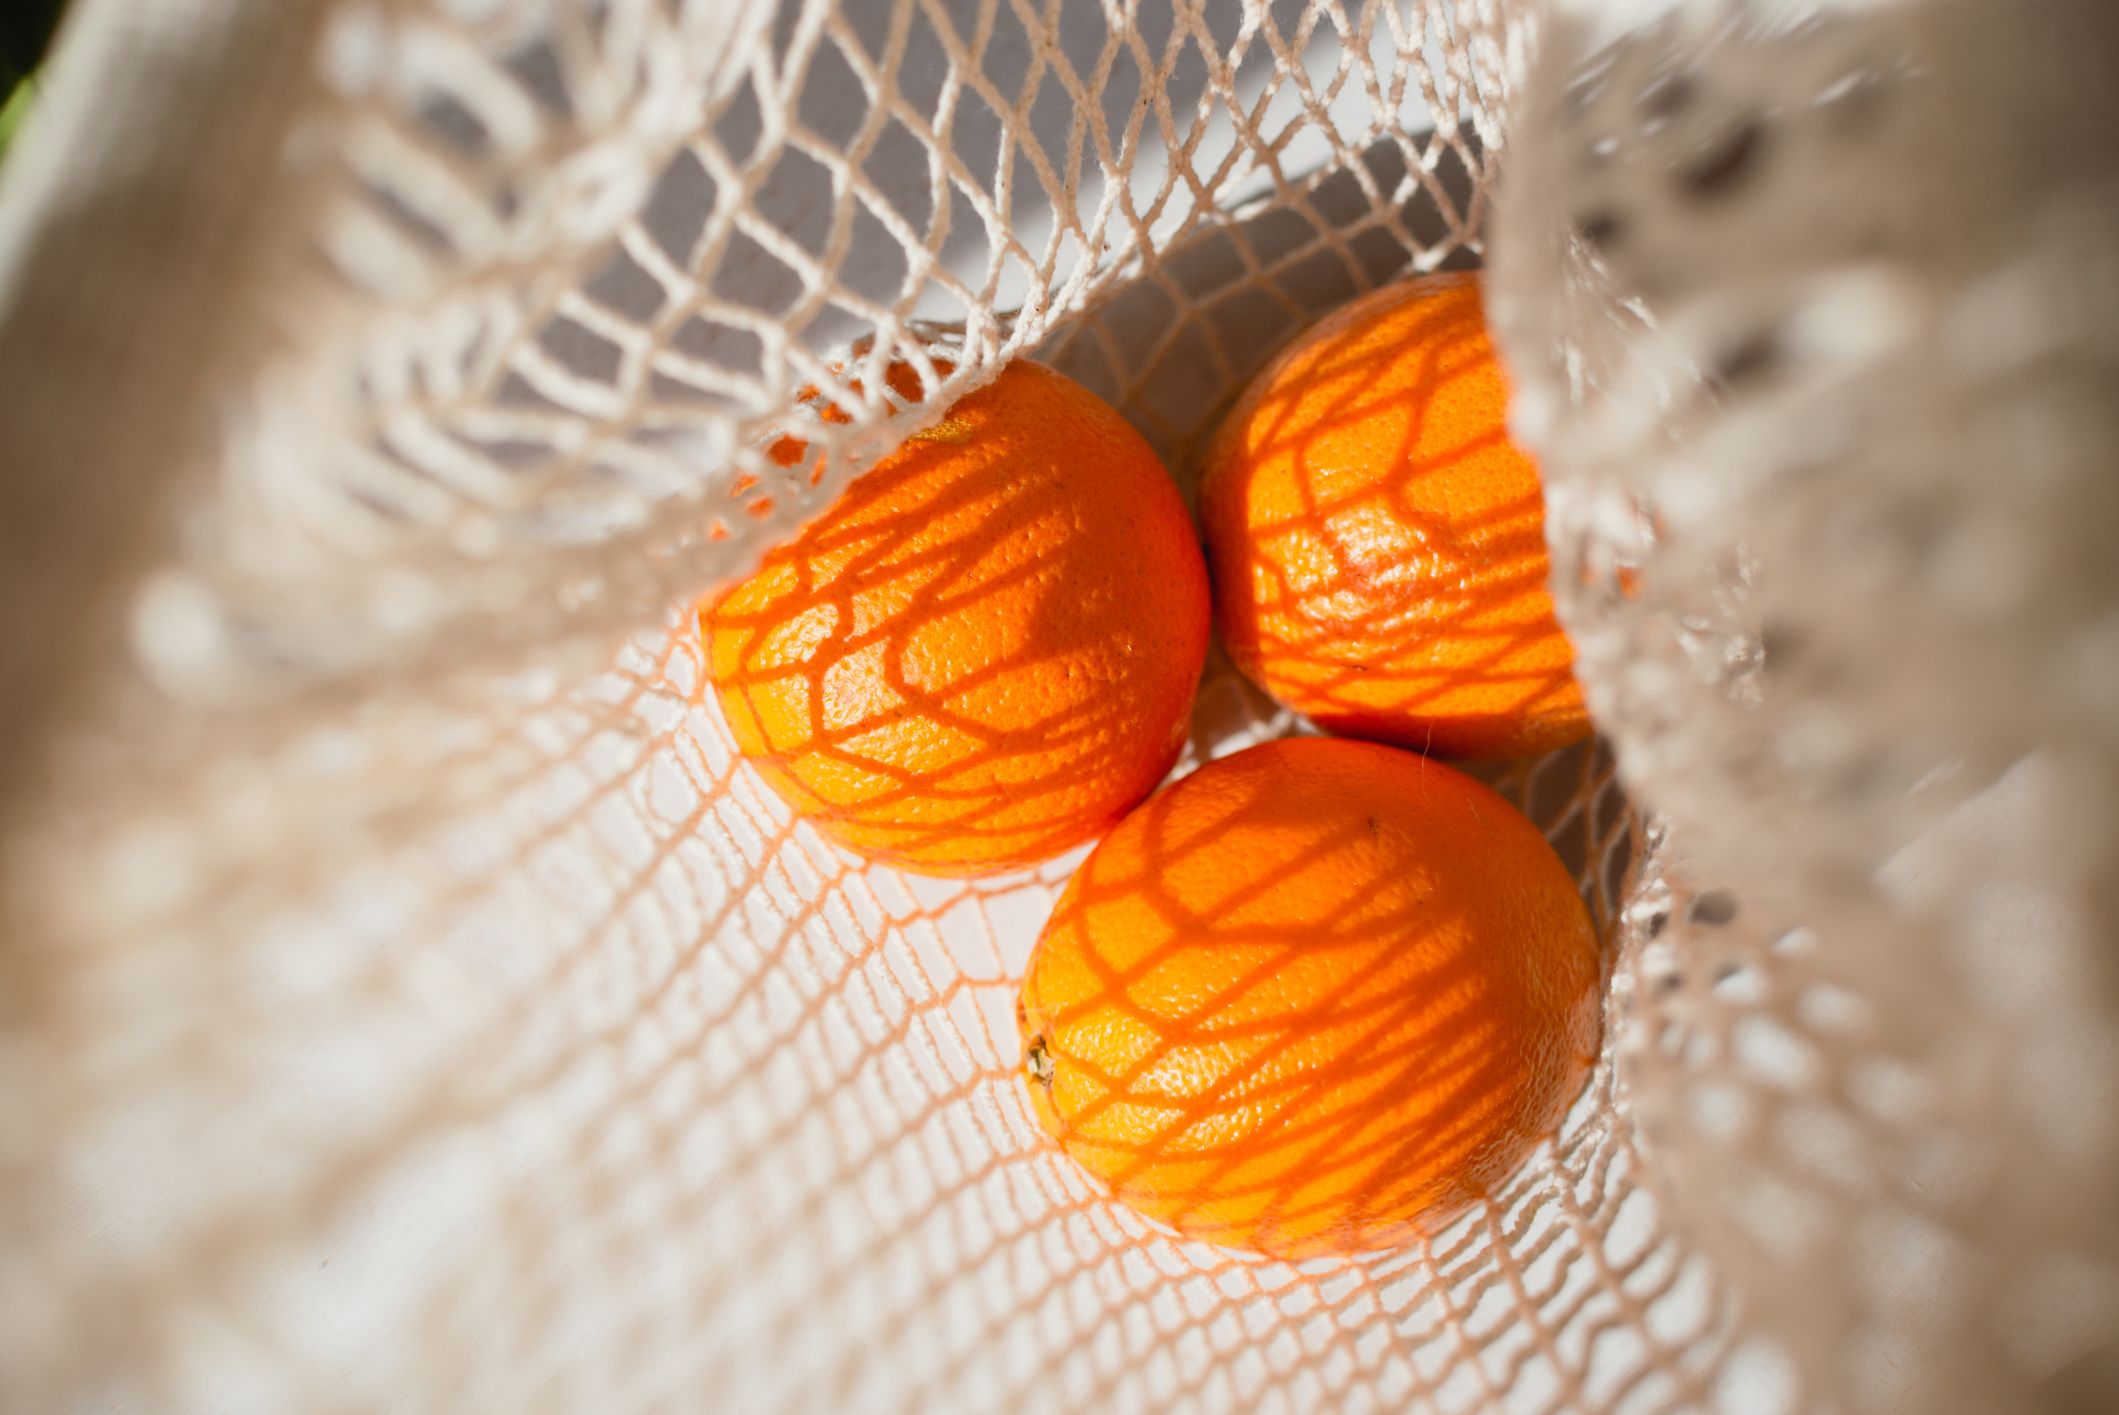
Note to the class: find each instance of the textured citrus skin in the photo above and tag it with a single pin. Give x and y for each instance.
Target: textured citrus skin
(1311, 999)
(1377, 542)
(986, 651)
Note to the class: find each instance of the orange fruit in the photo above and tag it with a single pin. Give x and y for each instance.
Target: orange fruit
(900, 377)
(1378, 543)
(1313, 998)
(986, 651)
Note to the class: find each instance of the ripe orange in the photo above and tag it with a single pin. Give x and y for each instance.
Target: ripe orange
(986, 651)
(1377, 542)
(1310, 999)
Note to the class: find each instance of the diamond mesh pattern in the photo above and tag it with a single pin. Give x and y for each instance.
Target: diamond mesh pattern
(412, 1002)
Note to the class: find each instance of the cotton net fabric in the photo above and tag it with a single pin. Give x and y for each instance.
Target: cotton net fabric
(411, 1000)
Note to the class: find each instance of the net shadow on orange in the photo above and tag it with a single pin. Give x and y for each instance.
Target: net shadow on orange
(1274, 1074)
(986, 651)
(1378, 544)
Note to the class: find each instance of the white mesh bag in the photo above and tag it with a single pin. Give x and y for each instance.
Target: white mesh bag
(409, 1001)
